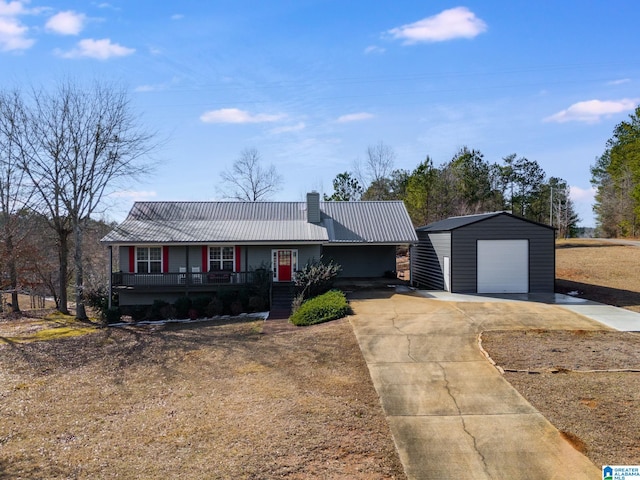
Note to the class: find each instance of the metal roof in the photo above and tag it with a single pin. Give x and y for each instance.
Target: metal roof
(264, 222)
(453, 223)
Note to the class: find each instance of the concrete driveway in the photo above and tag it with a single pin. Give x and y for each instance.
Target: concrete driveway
(451, 413)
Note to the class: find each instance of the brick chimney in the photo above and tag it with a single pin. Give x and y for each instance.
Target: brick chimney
(313, 207)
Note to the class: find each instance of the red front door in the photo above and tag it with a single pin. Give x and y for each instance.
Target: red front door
(284, 265)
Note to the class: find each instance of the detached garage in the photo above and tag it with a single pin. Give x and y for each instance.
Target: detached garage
(488, 253)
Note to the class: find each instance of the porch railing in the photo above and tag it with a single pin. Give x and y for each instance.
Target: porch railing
(121, 279)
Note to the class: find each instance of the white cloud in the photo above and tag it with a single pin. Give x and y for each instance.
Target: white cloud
(150, 88)
(13, 34)
(157, 87)
(66, 23)
(289, 128)
(591, 111)
(619, 81)
(457, 22)
(582, 195)
(234, 115)
(101, 49)
(373, 49)
(107, 5)
(11, 9)
(355, 117)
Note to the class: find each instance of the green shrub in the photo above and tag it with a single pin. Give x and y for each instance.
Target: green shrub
(257, 304)
(159, 310)
(98, 300)
(329, 306)
(236, 308)
(140, 312)
(182, 306)
(228, 297)
(112, 315)
(200, 303)
(167, 312)
(214, 308)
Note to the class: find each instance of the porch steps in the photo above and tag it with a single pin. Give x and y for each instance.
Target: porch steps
(281, 298)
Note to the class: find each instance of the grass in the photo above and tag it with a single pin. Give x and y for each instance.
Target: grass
(599, 271)
(218, 400)
(53, 326)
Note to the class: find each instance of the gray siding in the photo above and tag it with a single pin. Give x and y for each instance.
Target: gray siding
(362, 261)
(427, 261)
(123, 259)
(501, 227)
(259, 256)
(137, 298)
(178, 258)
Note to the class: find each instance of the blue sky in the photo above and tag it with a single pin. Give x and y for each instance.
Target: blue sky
(311, 83)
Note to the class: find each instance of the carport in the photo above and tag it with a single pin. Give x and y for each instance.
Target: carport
(488, 253)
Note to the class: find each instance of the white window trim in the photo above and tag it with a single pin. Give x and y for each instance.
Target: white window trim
(222, 260)
(149, 259)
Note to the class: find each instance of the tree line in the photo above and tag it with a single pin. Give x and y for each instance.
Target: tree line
(61, 152)
(616, 177)
(466, 184)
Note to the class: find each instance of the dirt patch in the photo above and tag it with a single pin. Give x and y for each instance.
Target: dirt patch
(596, 412)
(218, 400)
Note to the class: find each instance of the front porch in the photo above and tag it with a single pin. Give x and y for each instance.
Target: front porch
(182, 280)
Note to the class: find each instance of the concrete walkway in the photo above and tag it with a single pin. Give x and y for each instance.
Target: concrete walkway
(451, 413)
(614, 317)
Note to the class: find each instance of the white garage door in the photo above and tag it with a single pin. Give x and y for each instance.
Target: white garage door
(503, 266)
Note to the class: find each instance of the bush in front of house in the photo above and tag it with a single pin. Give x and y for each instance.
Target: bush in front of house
(98, 300)
(323, 308)
(316, 278)
(182, 306)
(112, 315)
(161, 310)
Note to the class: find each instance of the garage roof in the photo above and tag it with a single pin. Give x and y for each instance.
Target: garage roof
(453, 223)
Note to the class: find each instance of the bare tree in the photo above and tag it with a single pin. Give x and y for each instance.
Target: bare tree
(248, 180)
(15, 193)
(374, 173)
(83, 143)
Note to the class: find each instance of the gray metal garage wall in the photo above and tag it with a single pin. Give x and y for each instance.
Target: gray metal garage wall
(501, 227)
(361, 261)
(427, 264)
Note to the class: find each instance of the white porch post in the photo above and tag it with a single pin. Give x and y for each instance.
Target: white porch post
(110, 273)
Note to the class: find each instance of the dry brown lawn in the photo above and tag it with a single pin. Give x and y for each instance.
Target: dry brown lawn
(218, 400)
(599, 412)
(600, 271)
(224, 400)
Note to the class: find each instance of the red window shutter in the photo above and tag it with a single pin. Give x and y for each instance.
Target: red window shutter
(132, 259)
(205, 258)
(238, 262)
(165, 259)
